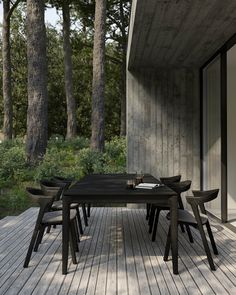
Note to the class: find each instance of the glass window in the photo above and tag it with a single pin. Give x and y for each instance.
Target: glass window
(212, 132)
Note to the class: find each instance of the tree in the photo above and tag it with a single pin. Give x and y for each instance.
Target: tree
(8, 9)
(118, 12)
(97, 120)
(37, 82)
(117, 24)
(70, 100)
(68, 68)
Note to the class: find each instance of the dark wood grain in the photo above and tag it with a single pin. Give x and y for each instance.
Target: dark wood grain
(111, 188)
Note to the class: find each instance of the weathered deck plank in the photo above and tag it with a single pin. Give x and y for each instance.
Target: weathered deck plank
(116, 257)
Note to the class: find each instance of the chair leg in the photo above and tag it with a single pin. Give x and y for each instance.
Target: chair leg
(74, 236)
(77, 231)
(72, 246)
(85, 215)
(148, 206)
(39, 237)
(154, 231)
(151, 217)
(189, 233)
(203, 236)
(77, 238)
(89, 209)
(182, 228)
(181, 206)
(48, 229)
(31, 246)
(79, 221)
(211, 238)
(167, 247)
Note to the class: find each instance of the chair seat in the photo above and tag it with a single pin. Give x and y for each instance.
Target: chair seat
(56, 217)
(57, 205)
(185, 216)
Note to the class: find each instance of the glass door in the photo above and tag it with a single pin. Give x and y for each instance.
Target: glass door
(212, 132)
(231, 134)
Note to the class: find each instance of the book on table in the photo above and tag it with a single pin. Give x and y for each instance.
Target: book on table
(145, 185)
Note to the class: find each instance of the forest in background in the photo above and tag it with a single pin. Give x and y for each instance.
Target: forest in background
(81, 36)
(67, 156)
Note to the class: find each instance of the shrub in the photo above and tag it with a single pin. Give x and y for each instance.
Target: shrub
(56, 162)
(115, 156)
(90, 161)
(14, 200)
(74, 144)
(13, 166)
(68, 158)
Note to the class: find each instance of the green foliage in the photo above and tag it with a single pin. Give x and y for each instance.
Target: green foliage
(15, 199)
(90, 161)
(13, 167)
(70, 144)
(115, 156)
(68, 158)
(82, 54)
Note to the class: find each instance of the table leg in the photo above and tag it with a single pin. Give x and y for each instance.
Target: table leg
(65, 235)
(174, 232)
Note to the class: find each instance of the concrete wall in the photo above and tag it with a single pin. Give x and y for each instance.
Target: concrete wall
(163, 122)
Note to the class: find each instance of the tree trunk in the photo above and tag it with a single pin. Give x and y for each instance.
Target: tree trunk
(37, 121)
(123, 97)
(97, 139)
(70, 100)
(6, 79)
(123, 72)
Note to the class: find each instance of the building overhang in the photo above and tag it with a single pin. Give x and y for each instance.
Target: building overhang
(178, 33)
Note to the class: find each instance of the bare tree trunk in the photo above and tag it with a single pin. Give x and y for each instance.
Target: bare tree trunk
(97, 139)
(123, 72)
(37, 114)
(6, 79)
(70, 100)
(123, 97)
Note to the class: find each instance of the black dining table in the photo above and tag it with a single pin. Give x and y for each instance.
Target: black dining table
(111, 188)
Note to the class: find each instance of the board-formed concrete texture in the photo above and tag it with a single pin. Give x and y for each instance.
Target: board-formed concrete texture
(178, 33)
(169, 40)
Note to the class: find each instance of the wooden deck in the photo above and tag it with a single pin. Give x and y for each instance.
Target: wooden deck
(116, 257)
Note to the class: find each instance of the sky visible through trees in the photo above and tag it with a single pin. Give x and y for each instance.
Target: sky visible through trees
(51, 16)
(81, 36)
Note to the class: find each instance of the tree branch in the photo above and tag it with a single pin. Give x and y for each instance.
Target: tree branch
(111, 58)
(114, 21)
(12, 9)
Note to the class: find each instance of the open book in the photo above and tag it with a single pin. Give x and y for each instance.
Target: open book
(147, 185)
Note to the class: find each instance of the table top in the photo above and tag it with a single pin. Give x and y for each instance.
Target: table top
(112, 188)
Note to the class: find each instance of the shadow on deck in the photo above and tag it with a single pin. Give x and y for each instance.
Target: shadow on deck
(116, 257)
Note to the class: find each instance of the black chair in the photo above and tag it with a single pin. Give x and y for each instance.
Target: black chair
(70, 180)
(197, 219)
(178, 187)
(56, 189)
(151, 209)
(46, 218)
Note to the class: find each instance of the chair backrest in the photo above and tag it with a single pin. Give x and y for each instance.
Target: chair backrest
(201, 197)
(167, 180)
(38, 196)
(180, 187)
(44, 201)
(52, 188)
(63, 179)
